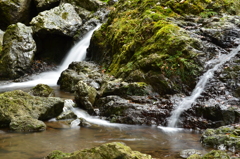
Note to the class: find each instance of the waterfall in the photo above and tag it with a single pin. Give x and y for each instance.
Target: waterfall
(77, 53)
(187, 101)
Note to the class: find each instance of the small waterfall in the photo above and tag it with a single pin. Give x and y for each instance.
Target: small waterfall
(77, 53)
(187, 101)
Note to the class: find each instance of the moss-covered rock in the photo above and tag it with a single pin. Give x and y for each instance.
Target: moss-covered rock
(17, 104)
(27, 124)
(17, 51)
(141, 41)
(42, 90)
(228, 136)
(46, 5)
(216, 154)
(113, 150)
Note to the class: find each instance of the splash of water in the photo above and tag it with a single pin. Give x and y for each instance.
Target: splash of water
(188, 101)
(77, 53)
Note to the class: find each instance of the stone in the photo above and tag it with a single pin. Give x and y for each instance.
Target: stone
(91, 5)
(46, 5)
(187, 153)
(62, 20)
(113, 150)
(42, 90)
(16, 105)
(17, 51)
(12, 12)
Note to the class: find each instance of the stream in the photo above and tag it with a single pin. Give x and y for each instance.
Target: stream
(156, 141)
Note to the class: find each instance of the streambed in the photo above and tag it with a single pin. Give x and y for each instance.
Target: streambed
(59, 136)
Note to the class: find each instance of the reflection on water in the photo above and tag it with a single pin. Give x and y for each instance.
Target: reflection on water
(150, 140)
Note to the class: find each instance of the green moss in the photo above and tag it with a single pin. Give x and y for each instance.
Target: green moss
(64, 15)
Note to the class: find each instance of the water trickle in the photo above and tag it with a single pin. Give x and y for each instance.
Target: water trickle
(186, 102)
(77, 53)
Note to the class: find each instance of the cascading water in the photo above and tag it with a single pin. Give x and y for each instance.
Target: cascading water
(188, 101)
(77, 53)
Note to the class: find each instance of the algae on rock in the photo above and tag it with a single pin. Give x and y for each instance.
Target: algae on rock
(115, 150)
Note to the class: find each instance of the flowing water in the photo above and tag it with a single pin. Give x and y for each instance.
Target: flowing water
(151, 140)
(188, 101)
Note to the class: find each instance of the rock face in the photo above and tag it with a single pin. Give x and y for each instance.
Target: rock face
(225, 136)
(21, 110)
(17, 52)
(61, 20)
(14, 11)
(113, 150)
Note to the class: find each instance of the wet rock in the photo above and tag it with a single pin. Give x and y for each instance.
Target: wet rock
(187, 153)
(85, 96)
(195, 156)
(62, 20)
(67, 115)
(12, 12)
(109, 150)
(216, 154)
(120, 110)
(87, 72)
(1, 39)
(226, 137)
(18, 51)
(27, 124)
(19, 104)
(42, 90)
(46, 5)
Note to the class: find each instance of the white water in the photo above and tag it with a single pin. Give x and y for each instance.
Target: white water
(69, 106)
(77, 53)
(187, 101)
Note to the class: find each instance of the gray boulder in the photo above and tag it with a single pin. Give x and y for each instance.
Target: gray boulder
(18, 51)
(62, 20)
(14, 11)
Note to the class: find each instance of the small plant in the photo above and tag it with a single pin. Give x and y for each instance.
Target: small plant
(207, 13)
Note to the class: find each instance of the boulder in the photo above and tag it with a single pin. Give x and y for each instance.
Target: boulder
(113, 150)
(26, 124)
(225, 136)
(12, 12)
(85, 96)
(16, 105)
(189, 152)
(62, 20)
(17, 52)
(87, 72)
(42, 90)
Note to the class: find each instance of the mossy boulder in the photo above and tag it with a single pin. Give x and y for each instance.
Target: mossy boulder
(85, 96)
(17, 104)
(228, 136)
(113, 150)
(214, 154)
(26, 124)
(15, 11)
(42, 90)
(17, 51)
(144, 42)
(62, 20)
